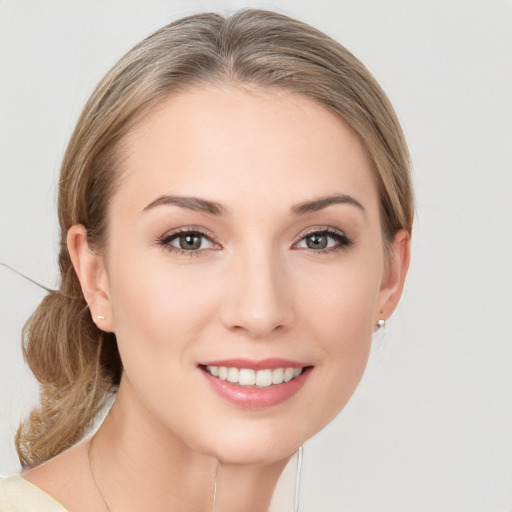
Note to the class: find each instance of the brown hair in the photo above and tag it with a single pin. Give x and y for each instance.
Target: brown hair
(78, 365)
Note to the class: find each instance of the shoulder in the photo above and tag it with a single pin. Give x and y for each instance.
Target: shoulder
(19, 495)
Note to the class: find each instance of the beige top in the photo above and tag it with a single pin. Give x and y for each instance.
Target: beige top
(19, 495)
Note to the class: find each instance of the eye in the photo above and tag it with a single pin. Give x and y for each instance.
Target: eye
(324, 240)
(187, 241)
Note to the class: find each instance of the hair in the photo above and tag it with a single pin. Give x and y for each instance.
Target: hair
(77, 365)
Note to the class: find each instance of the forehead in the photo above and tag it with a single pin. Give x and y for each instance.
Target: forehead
(243, 147)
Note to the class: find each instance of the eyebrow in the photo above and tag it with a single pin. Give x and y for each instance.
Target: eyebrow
(324, 202)
(191, 203)
(202, 205)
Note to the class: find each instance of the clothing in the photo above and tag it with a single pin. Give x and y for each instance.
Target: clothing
(19, 495)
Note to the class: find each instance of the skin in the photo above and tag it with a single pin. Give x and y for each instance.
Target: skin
(253, 289)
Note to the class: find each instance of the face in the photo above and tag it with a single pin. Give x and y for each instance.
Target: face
(244, 271)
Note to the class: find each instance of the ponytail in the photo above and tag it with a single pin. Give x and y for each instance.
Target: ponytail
(76, 364)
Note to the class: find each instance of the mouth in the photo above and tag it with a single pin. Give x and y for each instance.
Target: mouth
(256, 385)
(247, 377)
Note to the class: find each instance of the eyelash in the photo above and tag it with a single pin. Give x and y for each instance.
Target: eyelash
(343, 242)
(165, 242)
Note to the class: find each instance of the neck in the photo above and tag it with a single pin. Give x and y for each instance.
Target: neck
(172, 475)
(240, 487)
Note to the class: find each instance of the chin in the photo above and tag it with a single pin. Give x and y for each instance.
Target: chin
(253, 443)
(255, 453)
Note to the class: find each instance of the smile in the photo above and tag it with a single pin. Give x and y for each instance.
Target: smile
(258, 378)
(250, 384)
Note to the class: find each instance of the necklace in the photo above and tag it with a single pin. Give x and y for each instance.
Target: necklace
(91, 467)
(93, 474)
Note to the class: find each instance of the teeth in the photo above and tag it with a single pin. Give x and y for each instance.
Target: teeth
(263, 378)
(223, 372)
(247, 377)
(259, 378)
(233, 374)
(289, 373)
(278, 376)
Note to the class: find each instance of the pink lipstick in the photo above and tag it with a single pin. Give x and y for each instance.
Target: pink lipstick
(251, 384)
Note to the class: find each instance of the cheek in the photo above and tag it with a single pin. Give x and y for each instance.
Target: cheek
(340, 302)
(158, 317)
(159, 304)
(340, 317)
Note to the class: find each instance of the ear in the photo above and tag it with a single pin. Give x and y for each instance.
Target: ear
(91, 272)
(394, 275)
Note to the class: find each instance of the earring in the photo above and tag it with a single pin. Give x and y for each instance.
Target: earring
(381, 323)
(100, 317)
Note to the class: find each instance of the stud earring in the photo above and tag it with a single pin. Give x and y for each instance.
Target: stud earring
(381, 323)
(100, 317)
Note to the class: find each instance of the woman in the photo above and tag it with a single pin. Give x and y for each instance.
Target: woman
(235, 209)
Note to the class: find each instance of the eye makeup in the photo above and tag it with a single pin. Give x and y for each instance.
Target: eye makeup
(189, 242)
(193, 241)
(324, 240)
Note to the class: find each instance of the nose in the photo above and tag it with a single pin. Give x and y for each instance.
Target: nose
(258, 298)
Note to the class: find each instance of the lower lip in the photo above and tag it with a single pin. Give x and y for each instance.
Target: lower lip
(254, 397)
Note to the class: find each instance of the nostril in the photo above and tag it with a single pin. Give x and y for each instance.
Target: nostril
(258, 329)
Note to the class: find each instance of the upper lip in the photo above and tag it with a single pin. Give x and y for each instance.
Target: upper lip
(261, 364)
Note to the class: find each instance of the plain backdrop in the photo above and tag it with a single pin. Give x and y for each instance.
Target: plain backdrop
(430, 427)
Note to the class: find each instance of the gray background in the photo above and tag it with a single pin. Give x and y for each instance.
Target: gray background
(430, 427)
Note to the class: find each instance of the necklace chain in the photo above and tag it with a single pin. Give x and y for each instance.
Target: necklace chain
(91, 467)
(93, 474)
